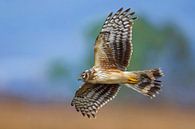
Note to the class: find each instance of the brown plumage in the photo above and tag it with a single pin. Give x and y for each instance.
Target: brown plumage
(90, 97)
(113, 47)
(112, 52)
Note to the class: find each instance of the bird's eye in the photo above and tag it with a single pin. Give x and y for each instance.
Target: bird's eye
(83, 75)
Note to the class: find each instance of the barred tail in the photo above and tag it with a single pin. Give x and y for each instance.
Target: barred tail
(147, 82)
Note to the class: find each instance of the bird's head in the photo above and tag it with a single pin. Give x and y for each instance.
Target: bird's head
(84, 75)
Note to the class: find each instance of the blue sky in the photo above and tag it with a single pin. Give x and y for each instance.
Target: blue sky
(35, 32)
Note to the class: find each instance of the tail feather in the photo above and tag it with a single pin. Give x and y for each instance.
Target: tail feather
(148, 83)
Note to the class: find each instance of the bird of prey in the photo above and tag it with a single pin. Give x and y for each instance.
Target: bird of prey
(112, 52)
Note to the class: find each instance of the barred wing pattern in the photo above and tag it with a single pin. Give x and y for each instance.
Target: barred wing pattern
(113, 47)
(90, 97)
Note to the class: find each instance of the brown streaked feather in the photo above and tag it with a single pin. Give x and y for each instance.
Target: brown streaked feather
(90, 97)
(113, 47)
(103, 52)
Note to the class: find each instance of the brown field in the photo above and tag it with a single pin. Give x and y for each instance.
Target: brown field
(20, 115)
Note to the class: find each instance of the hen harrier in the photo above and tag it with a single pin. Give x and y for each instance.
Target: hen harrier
(113, 50)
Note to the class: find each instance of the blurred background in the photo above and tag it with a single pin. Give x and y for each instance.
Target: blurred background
(46, 44)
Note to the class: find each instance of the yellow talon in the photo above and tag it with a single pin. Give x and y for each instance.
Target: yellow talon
(133, 80)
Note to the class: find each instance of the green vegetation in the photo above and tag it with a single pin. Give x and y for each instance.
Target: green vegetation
(57, 70)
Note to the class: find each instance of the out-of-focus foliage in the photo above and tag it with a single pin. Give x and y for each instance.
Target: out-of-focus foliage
(57, 70)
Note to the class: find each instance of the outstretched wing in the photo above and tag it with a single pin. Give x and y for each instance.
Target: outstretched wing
(90, 97)
(113, 47)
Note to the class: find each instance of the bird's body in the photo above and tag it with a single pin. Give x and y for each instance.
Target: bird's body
(112, 53)
(111, 76)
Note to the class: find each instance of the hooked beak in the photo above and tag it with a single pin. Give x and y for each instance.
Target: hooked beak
(80, 79)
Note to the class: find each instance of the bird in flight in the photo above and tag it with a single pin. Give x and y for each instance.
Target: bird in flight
(112, 53)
